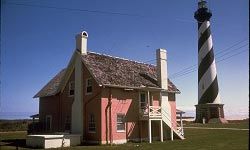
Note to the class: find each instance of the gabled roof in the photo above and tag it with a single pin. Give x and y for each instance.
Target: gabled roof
(108, 70)
(51, 88)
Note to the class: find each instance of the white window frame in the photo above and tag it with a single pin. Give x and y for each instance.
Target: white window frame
(120, 123)
(70, 88)
(146, 100)
(88, 93)
(91, 124)
(50, 124)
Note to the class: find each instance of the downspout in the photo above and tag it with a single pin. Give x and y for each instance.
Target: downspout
(110, 116)
(106, 123)
(85, 111)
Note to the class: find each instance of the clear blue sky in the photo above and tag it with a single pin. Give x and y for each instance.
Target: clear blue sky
(37, 42)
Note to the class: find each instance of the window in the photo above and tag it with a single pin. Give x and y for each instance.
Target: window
(48, 122)
(143, 100)
(92, 123)
(71, 88)
(89, 86)
(120, 123)
(67, 123)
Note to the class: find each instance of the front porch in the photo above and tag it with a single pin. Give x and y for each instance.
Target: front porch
(149, 111)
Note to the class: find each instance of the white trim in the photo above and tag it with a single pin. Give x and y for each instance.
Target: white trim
(161, 130)
(120, 131)
(149, 131)
(123, 130)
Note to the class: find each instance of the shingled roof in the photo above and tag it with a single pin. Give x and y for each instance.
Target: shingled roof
(51, 88)
(108, 70)
(122, 72)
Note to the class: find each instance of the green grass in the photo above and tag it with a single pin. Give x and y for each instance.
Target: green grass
(196, 139)
(232, 124)
(14, 125)
(10, 140)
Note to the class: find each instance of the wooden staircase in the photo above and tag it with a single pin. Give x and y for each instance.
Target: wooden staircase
(177, 128)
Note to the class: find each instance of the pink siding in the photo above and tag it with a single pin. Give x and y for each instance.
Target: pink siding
(172, 103)
(173, 112)
(155, 98)
(123, 102)
(156, 103)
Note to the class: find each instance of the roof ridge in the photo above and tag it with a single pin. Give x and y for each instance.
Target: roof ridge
(116, 57)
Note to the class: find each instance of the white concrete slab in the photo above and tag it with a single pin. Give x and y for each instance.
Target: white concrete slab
(53, 141)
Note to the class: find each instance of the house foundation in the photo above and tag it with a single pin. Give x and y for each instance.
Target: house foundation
(210, 113)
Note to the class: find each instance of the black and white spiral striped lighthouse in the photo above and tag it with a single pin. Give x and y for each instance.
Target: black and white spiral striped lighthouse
(209, 107)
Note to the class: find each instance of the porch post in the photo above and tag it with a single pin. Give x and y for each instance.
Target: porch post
(172, 134)
(161, 131)
(149, 131)
(181, 124)
(149, 102)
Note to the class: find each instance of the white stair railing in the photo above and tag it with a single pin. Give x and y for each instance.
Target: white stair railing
(167, 118)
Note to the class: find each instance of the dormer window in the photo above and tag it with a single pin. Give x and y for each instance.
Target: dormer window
(89, 86)
(71, 88)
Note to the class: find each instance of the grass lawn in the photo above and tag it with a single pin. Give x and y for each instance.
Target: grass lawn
(196, 139)
(232, 124)
(10, 140)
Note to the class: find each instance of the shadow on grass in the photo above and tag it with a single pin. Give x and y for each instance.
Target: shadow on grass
(15, 143)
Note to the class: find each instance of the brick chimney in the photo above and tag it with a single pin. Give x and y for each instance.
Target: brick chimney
(81, 42)
(162, 74)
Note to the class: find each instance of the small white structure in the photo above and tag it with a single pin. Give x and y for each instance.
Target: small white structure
(53, 141)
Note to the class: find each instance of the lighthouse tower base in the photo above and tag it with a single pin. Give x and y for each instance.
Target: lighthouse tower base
(210, 113)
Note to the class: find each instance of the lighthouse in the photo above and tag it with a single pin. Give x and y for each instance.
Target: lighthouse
(209, 107)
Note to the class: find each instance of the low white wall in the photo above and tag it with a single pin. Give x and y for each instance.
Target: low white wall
(53, 141)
